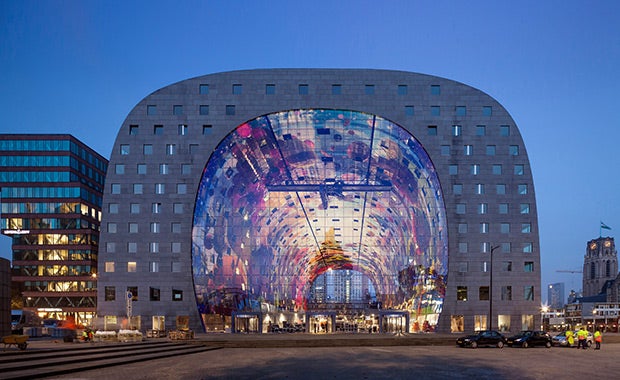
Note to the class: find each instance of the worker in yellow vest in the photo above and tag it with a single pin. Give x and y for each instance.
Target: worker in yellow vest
(582, 338)
(598, 338)
(570, 338)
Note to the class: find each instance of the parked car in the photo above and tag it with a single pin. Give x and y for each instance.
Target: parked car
(482, 338)
(530, 338)
(560, 339)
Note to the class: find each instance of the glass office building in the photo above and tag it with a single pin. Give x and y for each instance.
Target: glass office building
(52, 187)
(319, 200)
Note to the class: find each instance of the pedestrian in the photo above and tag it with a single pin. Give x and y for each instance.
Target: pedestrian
(570, 338)
(582, 338)
(598, 338)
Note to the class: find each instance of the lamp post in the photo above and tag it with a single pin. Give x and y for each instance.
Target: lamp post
(491, 288)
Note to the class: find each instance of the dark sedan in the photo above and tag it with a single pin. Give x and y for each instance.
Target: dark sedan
(529, 338)
(482, 338)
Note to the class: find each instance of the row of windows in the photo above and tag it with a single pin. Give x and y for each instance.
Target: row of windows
(154, 267)
(54, 177)
(481, 189)
(504, 228)
(47, 208)
(506, 266)
(156, 208)
(164, 169)
(154, 294)
(505, 293)
(147, 149)
(303, 88)
(153, 247)
(51, 192)
(483, 208)
(155, 227)
(496, 169)
(506, 247)
(159, 188)
(458, 130)
(468, 150)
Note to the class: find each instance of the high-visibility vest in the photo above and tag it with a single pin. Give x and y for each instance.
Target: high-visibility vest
(598, 336)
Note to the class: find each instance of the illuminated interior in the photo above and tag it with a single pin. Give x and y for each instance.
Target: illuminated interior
(288, 196)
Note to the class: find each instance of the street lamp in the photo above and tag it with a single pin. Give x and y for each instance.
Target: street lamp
(491, 288)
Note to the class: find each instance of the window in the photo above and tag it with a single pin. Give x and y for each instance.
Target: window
(125, 149)
(154, 294)
(504, 228)
(461, 293)
(171, 149)
(528, 293)
(155, 227)
(156, 208)
(203, 89)
(176, 247)
(453, 169)
(270, 89)
(203, 109)
(524, 208)
(206, 129)
(133, 228)
(468, 150)
(475, 169)
(369, 89)
(457, 189)
(487, 110)
(113, 208)
(134, 292)
(506, 248)
(116, 188)
(110, 293)
(131, 266)
(177, 295)
(445, 150)
(119, 169)
(435, 89)
(462, 267)
(176, 267)
(456, 130)
(504, 130)
(490, 150)
(303, 89)
(506, 266)
(158, 130)
(154, 247)
(177, 110)
(336, 89)
(483, 293)
(133, 130)
(137, 188)
(527, 247)
(484, 228)
(186, 169)
(410, 111)
(237, 89)
(482, 208)
(132, 247)
(513, 150)
(151, 110)
(182, 130)
(506, 294)
(526, 228)
(175, 228)
(496, 169)
(193, 148)
(522, 189)
(160, 188)
(153, 267)
(528, 266)
(112, 228)
(432, 129)
(163, 169)
(519, 169)
(402, 89)
(435, 110)
(462, 228)
(481, 130)
(177, 208)
(462, 247)
(230, 110)
(480, 188)
(500, 189)
(460, 208)
(461, 111)
(147, 149)
(503, 208)
(109, 266)
(134, 208)
(181, 188)
(141, 169)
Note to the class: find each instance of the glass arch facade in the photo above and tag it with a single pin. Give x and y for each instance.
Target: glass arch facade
(289, 196)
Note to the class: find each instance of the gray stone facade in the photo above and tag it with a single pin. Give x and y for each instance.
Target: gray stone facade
(474, 144)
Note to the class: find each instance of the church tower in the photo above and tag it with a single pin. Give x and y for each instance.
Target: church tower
(600, 264)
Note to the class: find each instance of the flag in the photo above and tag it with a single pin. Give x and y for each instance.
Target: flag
(605, 227)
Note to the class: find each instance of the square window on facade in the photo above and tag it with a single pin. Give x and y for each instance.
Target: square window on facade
(151, 110)
(155, 227)
(141, 169)
(528, 293)
(182, 130)
(475, 169)
(336, 89)
(487, 111)
(524, 208)
(453, 169)
(462, 267)
(481, 130)
(206, 129)
(270, 89)
(110, 293)
(164, 169)
(369, 89)
(137, 188)
(133, 130)
(468, 150)
(506, 294)
(506, 266)
(500, 189)
(158, 130)
(125, 149)
(177, 208)
(528, 266)
(186, 169)
(177, 110)
(526, 228)
(497, 169)
(176, 247)
(147, 149)
(435, 110)
(116, 188)
(132, 247)
(113, 208)
(457, 189)
(410, 111)
(133, 228)
(513, 150)
(484, 228)
(134, 208)
(527, 248)
(109, 266)
(402, 89)
(503, 208)
(522, 189)
(435, 89)
(112, 227)
(483, 293)
(479, 188)
(460, 208)
(194, 148)
(203, 109)
(506, 247)
(177, 295)
(483, 208)
(504, 130)
(461, 293)
(432, 130)
(303, 89)
(203, 89)
(490, 150)
(504, 228)
(154, 294)
(462, 247)
(237, 89)
(462, 228)
(156, 208)
(461, 111)
(456, 130)
(176, 267)
(175, 228)
(181, 188)
(131, 267)
(171, 149)
(153, 266)
(134, 292)
(519, 170)
(154, 247)
(230, 110)
(160, 188)
(445, 150)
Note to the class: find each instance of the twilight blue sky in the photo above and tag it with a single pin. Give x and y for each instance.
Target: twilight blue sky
(80, 66)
